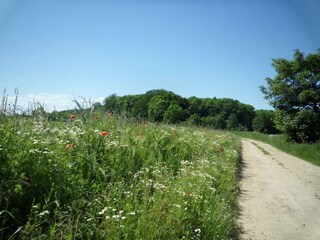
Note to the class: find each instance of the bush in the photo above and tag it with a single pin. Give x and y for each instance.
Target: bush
(304, 126)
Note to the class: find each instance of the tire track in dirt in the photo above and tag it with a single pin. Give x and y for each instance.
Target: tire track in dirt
(279, 195)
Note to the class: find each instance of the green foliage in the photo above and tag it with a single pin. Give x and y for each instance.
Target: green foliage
(304, 126)
(218, 121)
(232, 122)
(264, 122)
(157, 107)
(197, 107)
(94, 176)
(245, 114)
(174, 114)
(110, 103)
(194, 119)
(166, 106)
(295, 94)
(140, 108)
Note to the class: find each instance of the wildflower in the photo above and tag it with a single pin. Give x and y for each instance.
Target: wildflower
(103, 133)
(102, 211)
(69, 146)
(132, 213)
(127, 193)
(159, 186)
(72, 116)
(44, 212)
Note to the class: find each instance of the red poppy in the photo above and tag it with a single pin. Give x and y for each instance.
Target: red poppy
(104, 134)
(72, 116)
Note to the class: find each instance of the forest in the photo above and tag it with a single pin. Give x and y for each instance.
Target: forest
(166, 106)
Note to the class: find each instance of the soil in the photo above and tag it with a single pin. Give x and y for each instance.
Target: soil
(279, 195)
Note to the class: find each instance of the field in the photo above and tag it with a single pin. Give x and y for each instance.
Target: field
(306, 151)
(95, 176)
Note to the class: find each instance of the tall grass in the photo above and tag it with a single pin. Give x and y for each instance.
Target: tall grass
(99, 177)
(308, 152)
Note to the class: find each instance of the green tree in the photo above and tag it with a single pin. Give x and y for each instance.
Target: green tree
(140, 108)
(194, 119)
(196, 106)
(217, 122)
(157, 107)
(174, 114)
(245, 114)
(125, 104)
(304, 126)
(110, 102)
(212, 106)
(232, 122)
(160, 102)
(264, 122)
(295, 94)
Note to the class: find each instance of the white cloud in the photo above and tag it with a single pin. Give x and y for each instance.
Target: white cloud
(50, 102)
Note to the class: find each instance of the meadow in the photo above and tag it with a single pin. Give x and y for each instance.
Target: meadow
(98, 176)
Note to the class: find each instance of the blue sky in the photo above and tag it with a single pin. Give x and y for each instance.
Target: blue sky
(54, 51)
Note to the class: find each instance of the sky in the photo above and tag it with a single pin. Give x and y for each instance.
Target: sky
(58, 51)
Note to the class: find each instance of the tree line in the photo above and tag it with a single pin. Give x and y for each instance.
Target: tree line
(294, 93)
(165, 106)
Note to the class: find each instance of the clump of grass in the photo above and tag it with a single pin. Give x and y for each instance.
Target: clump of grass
(98, 177)
(307, 151)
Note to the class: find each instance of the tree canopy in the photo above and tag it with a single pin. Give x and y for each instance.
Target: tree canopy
(264, 122)
(295, 94)
(165, 106)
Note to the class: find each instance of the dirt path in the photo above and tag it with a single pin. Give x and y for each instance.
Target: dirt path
(280, 195)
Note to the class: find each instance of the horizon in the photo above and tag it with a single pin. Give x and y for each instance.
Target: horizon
(55, 52)
(31, 102)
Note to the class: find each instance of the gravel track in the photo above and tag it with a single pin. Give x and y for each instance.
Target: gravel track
(279, 195)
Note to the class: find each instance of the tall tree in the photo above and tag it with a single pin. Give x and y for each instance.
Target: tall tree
(110, 102)
(264, 122)
(295, 94)
(174, 114)
(157, 107)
